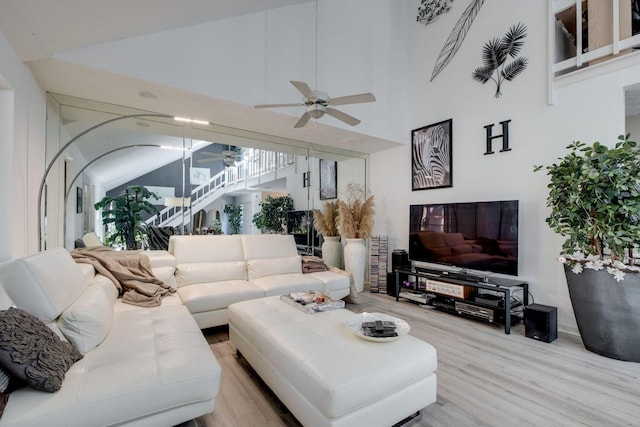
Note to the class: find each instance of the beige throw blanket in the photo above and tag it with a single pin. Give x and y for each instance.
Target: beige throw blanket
(130, 272)
(311, 264)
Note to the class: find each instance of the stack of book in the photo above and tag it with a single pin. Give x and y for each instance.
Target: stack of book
(378, 262)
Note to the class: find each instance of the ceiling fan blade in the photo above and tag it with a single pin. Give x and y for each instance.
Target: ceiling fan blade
(352, 99)
(278, 105)
(304, 89)
(342, 116)
(303, 120)
(208, 159)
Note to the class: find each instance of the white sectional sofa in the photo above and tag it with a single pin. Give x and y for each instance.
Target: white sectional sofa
(147, 366)
(140, 366)
(213, 272)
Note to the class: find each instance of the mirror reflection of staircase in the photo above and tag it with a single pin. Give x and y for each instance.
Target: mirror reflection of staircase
(258, 167)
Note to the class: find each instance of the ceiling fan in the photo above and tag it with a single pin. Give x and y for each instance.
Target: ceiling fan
(318, 103)
(229, 157)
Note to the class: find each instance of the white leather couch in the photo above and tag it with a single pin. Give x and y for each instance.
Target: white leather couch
(141, 366)
(215, 271)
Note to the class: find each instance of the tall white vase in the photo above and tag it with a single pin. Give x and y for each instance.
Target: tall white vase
(355, 258)
(332, 251)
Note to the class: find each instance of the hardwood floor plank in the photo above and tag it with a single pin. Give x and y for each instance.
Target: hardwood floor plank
(485, 378)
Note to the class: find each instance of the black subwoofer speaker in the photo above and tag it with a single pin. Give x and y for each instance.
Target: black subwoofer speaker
(541, 322)
(399, 258)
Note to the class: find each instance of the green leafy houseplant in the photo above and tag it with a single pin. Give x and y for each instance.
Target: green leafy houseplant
(273, 214)
(124, 213)
(594, 196)
(234, 216)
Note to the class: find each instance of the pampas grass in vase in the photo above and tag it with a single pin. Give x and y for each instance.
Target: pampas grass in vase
(326, 222)
(355, 221)
(355, 217)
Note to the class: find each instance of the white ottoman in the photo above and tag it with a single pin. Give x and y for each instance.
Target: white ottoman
(324, 374)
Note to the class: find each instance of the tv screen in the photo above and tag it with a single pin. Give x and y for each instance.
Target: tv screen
(475, 236)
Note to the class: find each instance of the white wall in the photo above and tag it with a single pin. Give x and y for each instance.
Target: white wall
(250, 59)
(587, 110)
(21, 154)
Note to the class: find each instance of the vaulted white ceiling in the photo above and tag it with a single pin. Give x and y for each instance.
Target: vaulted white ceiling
(42, 32)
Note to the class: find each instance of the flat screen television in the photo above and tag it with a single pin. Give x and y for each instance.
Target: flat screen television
(479, 236)
(300, 224)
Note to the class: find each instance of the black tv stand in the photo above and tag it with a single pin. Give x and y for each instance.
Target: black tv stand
(455, 293)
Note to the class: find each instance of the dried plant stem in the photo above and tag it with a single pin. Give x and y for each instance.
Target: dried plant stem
(327, 222)
(356, 219)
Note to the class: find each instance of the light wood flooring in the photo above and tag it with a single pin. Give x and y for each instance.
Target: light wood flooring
(485, 378)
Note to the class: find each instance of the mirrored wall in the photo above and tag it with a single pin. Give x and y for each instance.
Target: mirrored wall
(208, 180)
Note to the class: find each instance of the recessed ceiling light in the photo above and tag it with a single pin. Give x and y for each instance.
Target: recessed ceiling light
(147, 94)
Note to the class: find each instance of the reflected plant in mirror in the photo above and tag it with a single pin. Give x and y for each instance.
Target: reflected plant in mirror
(272, 216)
(326, 220)
(122, 216)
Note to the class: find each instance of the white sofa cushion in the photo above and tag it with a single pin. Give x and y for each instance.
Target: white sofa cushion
(43, 284)
(280, 284)
(161, 259)
(268, 246)
(257, 268)
(199, 272)
(203, 297)
(88, 271)
(205, 248)
(88, 320)
(335, 284)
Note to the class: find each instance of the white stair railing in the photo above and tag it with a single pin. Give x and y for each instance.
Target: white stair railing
(257, 163)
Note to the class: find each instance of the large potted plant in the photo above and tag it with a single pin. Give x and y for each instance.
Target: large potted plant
(124, 213)
(272, 216)
(594, 196)
(234, 216)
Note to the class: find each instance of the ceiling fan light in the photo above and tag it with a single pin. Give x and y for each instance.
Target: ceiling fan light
(316, 114)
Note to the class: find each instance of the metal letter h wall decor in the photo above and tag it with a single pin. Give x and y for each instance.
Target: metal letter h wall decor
(504, 136)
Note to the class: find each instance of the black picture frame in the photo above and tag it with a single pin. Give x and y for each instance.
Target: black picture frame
(431, 156)
(79, 199)
(328, 179)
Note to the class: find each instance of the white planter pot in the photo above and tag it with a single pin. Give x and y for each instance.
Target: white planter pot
(332, 251)
(355, 258)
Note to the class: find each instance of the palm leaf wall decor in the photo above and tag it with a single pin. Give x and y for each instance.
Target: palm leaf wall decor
(494, 58)
(455, 39)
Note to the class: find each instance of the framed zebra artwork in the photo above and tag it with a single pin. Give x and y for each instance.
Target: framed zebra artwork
(431, 160)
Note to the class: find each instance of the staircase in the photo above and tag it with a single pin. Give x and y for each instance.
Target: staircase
(257, 165)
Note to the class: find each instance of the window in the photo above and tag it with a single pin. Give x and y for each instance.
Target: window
(588, 32)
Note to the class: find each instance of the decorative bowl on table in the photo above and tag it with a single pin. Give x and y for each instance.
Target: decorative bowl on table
(361, 325)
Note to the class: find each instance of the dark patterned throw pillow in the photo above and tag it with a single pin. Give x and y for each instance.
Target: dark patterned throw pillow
(32, 352)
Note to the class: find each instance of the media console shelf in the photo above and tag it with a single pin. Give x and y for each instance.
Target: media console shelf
(459, 293)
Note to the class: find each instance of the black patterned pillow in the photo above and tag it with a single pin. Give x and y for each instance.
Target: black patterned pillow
(32, 352)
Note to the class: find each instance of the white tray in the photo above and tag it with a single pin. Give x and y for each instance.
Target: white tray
(354, 324)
